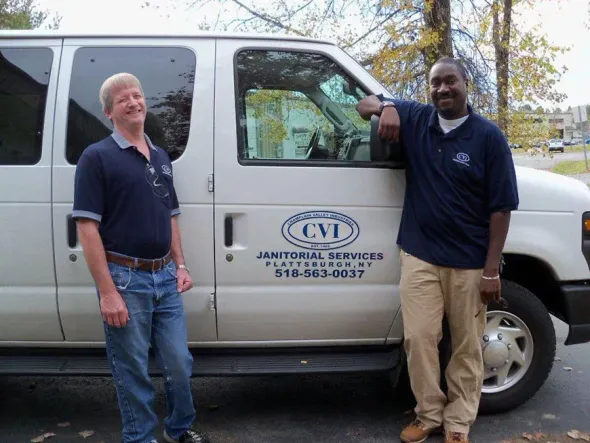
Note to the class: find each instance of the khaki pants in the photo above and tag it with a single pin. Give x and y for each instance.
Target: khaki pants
(427, 292)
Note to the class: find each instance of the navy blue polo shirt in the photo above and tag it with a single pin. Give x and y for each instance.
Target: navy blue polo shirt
(133, 199)
(454, 182)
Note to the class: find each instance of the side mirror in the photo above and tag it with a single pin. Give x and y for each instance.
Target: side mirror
(383, 151)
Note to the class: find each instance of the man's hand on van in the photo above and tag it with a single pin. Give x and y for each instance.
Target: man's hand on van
(113, 309)
(389, 124)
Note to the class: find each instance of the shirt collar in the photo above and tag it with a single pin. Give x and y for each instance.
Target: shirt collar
(463, 131)
(124, 143)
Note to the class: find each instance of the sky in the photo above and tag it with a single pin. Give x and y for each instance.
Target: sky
(563, 21)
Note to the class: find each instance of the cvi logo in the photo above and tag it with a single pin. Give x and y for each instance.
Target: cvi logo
(462, 158)
(320, 230)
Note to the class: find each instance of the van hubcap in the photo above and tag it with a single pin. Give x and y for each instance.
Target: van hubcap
(507, 346)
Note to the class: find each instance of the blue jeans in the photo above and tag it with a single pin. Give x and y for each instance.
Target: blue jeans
(156, 317)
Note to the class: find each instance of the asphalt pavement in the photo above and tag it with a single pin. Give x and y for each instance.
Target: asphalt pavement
(334, 409)
(544, 160)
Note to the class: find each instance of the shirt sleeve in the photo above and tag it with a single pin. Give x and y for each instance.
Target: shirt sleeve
(88, 187)
(502, 190)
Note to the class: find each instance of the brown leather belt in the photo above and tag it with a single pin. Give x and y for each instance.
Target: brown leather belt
(140, 263)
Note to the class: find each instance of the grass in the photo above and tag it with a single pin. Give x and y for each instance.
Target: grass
(577, 148)
(570, 167)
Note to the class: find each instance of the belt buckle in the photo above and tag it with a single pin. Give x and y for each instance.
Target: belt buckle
(156, 260)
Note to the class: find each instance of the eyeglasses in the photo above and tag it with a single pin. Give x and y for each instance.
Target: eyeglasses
(160, 189)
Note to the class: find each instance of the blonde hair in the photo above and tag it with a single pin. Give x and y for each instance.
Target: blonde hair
(115, 82)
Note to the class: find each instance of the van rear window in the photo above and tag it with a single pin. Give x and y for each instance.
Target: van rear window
(24, 78)
(167, 76)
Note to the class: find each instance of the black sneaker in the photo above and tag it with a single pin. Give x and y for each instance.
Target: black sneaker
(190, 436)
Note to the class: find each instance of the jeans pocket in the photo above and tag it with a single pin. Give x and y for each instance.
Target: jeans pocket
(121, 276)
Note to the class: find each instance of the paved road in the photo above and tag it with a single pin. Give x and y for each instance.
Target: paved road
(543, 160)
(309, 409)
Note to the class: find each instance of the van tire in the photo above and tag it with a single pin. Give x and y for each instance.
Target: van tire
(526, 306)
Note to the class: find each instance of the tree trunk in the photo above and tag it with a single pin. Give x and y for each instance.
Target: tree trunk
(437, 20)
(501, 36)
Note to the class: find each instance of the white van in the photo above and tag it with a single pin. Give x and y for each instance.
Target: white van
(291, 206)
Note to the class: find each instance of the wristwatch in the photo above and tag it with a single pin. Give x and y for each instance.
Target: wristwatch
(184, 267)
(385, 104)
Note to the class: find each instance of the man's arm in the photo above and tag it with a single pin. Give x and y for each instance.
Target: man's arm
(112, 306)
(89, 204)
(183, 278)
(389, 121)
(176, 247)
(95, 256)
(499, 225)
(368, 106)
(502, 198)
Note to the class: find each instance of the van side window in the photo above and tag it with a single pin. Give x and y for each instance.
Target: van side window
(24, 77)
(167, 76)
(295, 106)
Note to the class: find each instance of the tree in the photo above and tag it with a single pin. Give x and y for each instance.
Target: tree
(502, 29)
(398, 40)
(23, 14)
(437, 22)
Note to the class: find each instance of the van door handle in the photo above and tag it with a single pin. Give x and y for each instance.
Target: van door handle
(72, 234)
(229, 231)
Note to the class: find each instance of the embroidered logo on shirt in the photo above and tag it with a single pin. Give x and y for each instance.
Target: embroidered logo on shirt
(166, 170)
(462, 158)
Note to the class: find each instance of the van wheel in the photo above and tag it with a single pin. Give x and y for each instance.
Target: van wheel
(518, 349)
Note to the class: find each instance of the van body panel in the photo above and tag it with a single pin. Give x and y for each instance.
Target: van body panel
(27, 275)
(79, 306)
(549, 228)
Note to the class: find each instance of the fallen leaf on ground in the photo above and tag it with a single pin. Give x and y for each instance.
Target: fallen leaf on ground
(557, 359)
(533, 437)
(409, 411)
(86, 434)
(43, 437)
(577, 435)
(65, 424)
(549, 417)
(566, 368)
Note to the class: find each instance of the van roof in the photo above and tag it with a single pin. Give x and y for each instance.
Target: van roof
(151, 34)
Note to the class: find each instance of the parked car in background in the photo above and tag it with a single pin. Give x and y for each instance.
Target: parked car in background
(556, 144)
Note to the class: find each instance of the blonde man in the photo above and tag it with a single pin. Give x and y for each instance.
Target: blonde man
(126, 208)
